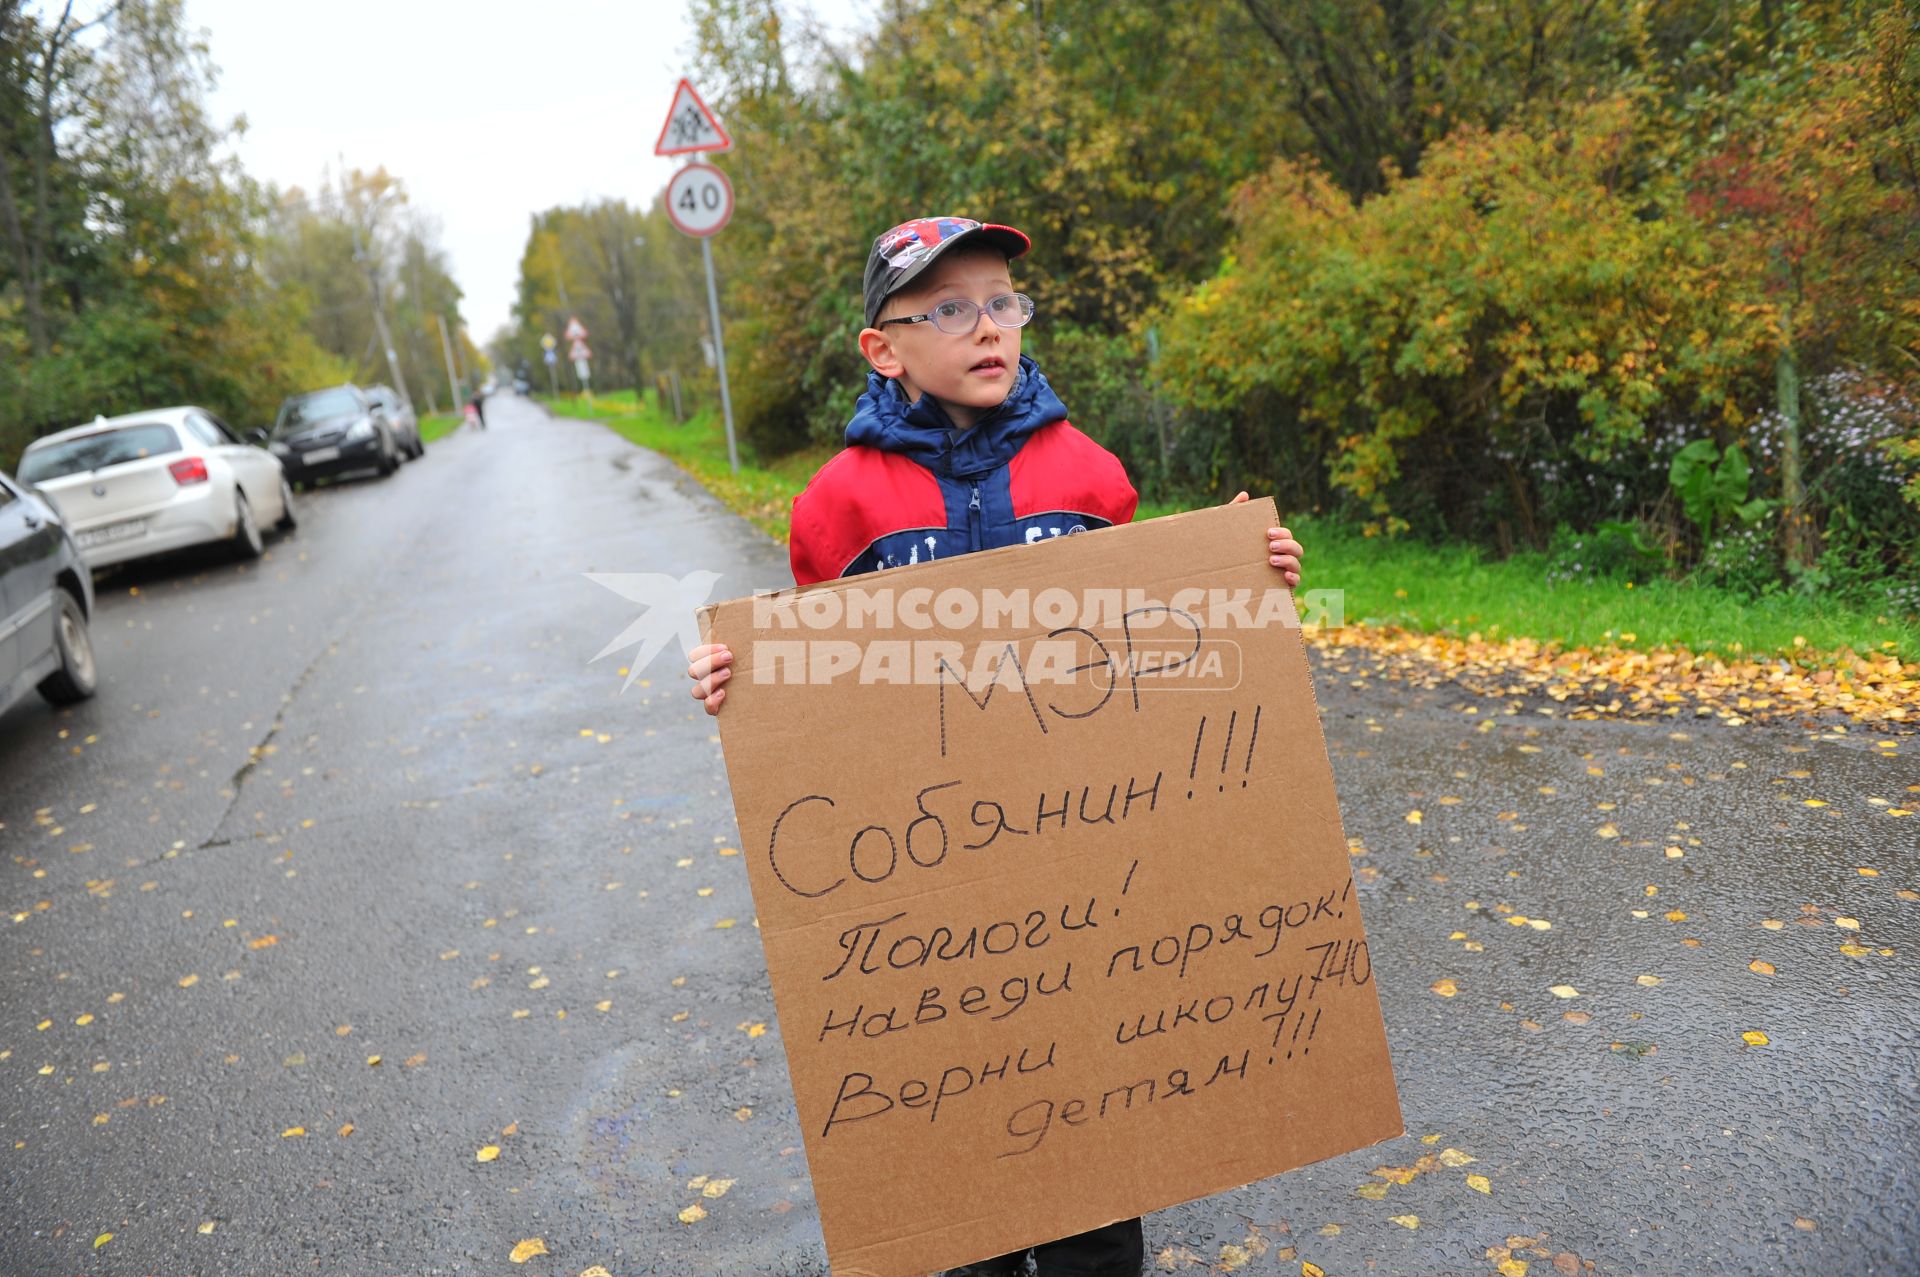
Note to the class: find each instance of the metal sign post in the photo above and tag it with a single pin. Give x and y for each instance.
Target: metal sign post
(720, 353)
(580, 354)
(700, 203)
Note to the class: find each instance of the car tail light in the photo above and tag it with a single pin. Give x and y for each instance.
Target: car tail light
(189, 470)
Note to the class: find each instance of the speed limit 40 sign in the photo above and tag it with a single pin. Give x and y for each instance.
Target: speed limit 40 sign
(700, 199)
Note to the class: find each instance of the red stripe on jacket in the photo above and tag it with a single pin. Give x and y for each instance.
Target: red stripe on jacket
(864, 494)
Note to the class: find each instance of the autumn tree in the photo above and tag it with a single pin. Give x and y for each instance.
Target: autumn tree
(130, 274)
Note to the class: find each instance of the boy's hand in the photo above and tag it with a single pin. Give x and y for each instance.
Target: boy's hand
(710, 669)
(1282, 550)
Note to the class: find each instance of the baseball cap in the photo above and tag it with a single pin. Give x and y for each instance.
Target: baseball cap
(899, 255)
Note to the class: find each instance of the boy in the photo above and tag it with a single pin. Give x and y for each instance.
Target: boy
(958, 445)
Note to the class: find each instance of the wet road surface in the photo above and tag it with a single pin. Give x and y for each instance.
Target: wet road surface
(357, 868)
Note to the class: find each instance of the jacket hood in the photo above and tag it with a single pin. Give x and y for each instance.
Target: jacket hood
(884, 419)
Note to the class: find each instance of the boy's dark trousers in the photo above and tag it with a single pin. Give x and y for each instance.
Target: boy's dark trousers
(1118, 1250)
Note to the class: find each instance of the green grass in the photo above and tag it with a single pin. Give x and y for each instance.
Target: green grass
(1450, 589)
(1463, 591)
(438, 425)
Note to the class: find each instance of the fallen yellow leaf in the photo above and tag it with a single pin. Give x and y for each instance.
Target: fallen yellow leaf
(1413, 817)
(1479, 1184)
(717, 1187)
(1676, 915)
(723, 924)
(527, 1249)
(1454, 1157)
(188, 981)
(205, 1228)
(1847, 924)
(1753, 1037)
(1311, 1269)
(1405, 1221)
(1374, 1191)
(1760, 968)
(487, 1153)
(693, 1214)
(1396, 1174)
(1513, 1267)
(1564, 991)
(1445, 988)
(102, 1240)
(293, 1132)
(1234, 1258)
(1646, 981)
(595, 1271)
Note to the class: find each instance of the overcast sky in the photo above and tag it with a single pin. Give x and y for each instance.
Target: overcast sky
(488, 111)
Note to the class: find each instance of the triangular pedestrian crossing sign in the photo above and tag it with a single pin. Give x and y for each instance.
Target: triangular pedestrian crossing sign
(691, 127)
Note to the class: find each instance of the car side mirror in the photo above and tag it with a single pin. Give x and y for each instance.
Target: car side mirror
(258, 435)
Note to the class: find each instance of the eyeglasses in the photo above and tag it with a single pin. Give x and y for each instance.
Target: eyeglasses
(958, 316)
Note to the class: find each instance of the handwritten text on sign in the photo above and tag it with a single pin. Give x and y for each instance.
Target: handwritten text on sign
(1057, 912)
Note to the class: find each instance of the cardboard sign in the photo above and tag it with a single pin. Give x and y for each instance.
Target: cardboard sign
(1052, 885)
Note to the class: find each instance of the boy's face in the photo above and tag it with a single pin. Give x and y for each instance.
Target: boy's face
(968, 374)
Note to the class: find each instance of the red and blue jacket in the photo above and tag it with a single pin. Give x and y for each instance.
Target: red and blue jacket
(912, 487)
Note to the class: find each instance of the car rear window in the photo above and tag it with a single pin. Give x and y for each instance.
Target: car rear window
(306, 409)
(93, 452)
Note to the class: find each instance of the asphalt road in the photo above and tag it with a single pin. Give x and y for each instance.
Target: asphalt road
(369, 799)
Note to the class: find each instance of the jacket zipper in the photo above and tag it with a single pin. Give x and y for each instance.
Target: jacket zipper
(973, 518)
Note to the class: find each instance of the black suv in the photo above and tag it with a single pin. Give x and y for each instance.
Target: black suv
(329, 432)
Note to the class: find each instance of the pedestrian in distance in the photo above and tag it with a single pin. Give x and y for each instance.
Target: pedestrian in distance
(950, 396)
(477, 408)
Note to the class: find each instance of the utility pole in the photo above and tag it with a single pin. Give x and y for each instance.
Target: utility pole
(379, 317)
(446, 348)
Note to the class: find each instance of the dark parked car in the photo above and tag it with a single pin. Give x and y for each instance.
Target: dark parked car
(329, 432)
(406, 426)
(46, 600)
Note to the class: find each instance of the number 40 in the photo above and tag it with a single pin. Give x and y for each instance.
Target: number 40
(707, 197)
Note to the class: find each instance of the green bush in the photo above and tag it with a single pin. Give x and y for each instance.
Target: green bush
(1612, 550)
(1743, 560)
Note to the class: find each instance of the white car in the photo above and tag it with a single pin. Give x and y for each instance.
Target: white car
(150, 482)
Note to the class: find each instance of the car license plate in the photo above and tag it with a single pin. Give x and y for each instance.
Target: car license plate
(319, 455)
(112, 532)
